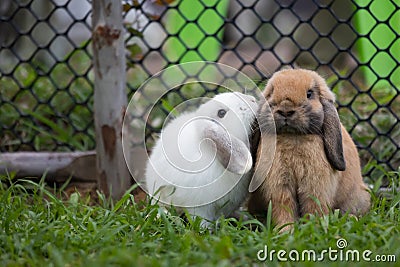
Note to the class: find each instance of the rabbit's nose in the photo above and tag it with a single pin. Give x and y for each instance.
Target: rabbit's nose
(285, 113)
(286, 109)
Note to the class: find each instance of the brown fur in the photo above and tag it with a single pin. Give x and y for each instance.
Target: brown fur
(303, 179)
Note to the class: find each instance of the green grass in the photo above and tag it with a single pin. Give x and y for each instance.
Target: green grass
(37, 228)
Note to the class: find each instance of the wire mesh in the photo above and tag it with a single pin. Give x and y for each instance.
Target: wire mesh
(46, 79)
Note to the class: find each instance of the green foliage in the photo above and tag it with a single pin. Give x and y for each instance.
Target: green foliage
(37, 228)
(52, 110)
(48, 110)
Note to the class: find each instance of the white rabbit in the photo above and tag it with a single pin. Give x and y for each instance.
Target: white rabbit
(202, 160)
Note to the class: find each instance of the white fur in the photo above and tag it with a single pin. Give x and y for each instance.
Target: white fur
(214, 191)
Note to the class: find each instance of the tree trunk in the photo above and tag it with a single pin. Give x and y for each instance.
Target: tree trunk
(110, 98)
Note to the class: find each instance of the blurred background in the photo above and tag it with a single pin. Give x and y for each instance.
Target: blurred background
(46, 79)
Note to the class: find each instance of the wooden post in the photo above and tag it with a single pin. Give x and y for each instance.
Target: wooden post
(58, 166)
(110, 99)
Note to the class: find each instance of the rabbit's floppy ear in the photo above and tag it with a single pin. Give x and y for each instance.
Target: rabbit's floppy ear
(332, 135)
(255, 139)
(231, 151)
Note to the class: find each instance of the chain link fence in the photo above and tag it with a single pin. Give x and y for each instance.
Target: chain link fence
(46, 79)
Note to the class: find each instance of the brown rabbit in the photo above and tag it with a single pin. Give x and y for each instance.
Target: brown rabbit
(316, 165)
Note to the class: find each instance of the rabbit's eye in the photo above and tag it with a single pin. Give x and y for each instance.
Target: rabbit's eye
(221, 113)
(309, 94)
